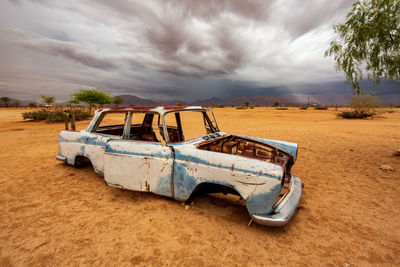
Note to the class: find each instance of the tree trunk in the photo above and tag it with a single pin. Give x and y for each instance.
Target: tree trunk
(66, 121)
(73, 120)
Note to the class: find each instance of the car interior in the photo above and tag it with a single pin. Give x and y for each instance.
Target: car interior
(144, 130)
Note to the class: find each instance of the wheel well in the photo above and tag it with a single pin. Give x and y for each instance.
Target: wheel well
(208, 188)
(81, 161)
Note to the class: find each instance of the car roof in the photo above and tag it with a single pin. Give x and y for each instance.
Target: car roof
(158, 109)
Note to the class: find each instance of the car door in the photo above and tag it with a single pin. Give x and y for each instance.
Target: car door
(95, 140)
(94, 146)
(138, 164)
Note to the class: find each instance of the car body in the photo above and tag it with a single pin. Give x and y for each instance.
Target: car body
(147, 151)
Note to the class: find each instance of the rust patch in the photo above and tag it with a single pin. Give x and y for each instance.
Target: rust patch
(146, 184)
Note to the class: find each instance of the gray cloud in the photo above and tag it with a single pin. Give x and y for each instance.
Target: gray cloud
(299, 17)
(165, 48)
(70, 51)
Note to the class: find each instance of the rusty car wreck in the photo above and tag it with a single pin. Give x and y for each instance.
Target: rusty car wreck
(149, 149)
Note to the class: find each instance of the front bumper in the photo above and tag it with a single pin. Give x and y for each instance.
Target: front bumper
(285, 209)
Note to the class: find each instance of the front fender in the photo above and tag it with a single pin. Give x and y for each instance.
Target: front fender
(193, 167)
(263, 198)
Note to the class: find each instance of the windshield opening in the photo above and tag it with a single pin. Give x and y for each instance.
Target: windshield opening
(187, 125)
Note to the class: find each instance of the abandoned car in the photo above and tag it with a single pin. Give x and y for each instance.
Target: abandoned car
(177, 151)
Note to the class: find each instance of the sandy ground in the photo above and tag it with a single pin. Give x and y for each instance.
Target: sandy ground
(54, 214)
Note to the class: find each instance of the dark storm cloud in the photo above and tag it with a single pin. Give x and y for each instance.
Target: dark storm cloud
(241, 89)
(71, 52)
(189, 48)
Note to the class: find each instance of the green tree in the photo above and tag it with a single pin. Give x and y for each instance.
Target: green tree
(117, 100)
(6, 100)
(32, 105)
(365, 103)
(180, 103)
(73, 101)
(48, 99)
(91, 97)
(16, 103)
(370, 38)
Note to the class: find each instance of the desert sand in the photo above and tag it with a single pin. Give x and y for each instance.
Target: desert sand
(54, 214)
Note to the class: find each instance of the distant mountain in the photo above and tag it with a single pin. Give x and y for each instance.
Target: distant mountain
(22, 103)
(209, 102)
(137, 101)
(289, 99)
(267, 100)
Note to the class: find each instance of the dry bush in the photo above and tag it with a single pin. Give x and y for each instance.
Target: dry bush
(321, 108)
(57, 115)
(363, 106)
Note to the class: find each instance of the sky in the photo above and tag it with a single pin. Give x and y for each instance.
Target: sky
(165, 49)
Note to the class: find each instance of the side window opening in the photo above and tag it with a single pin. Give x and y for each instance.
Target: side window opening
(143, 127)
(112, 123)
(174, 127)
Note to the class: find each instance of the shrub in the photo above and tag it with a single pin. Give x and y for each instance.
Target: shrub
(303, 107)
(54, 116)
(281, 108)
(59, 115)
(32, 105)
(354, 115)
(320, 108)
(363, 106)
(39, 115)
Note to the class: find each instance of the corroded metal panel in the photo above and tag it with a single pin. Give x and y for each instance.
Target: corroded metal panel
(70, 145)
(83, 143)
(139, 165)
(258, 182)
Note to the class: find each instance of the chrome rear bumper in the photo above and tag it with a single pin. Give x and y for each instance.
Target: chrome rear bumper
(285, 209)
(61, 158)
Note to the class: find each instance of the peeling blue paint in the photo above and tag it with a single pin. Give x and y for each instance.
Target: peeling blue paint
(189, 158)
(163, 186)
(108, 149)
(95, 140)
(263, 203)
(184, 182)
(82, 149)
